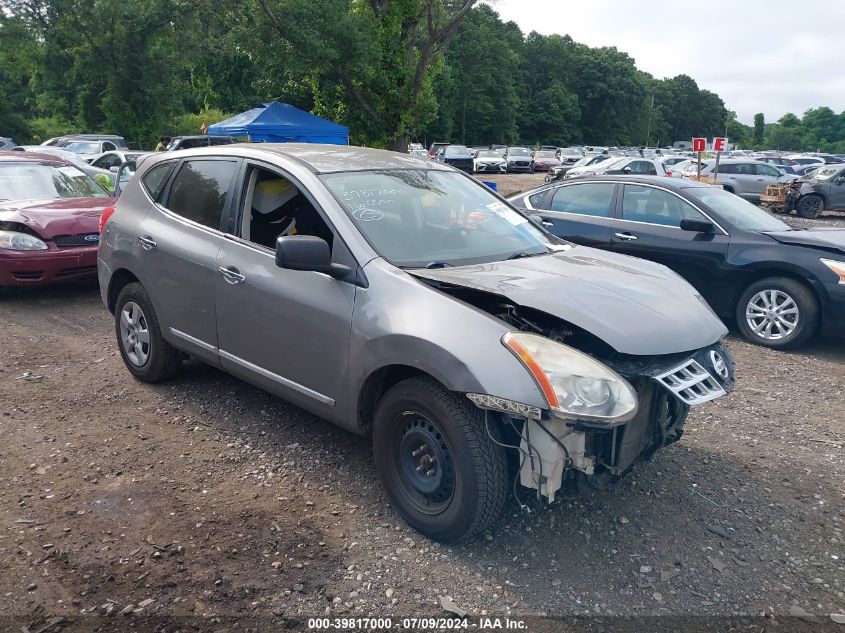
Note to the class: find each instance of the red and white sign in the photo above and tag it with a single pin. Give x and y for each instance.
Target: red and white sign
(699, 144)
(720, 144)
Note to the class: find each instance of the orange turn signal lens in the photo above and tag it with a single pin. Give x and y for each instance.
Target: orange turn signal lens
(534, 368)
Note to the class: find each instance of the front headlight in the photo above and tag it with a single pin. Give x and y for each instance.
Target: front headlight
(14, 241)
(836, 266)
(575, 385)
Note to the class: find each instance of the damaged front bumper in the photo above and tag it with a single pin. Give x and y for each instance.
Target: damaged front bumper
(556, 452)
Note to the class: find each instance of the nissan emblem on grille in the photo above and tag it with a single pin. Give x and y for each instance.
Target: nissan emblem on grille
(692, 383)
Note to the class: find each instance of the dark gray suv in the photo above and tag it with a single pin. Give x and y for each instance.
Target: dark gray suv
(401, 298)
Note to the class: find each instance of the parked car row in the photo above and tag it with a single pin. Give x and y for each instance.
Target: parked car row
(543, 334)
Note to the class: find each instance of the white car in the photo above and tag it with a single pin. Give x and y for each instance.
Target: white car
(489, 160)
(620, 165)
(112, 160)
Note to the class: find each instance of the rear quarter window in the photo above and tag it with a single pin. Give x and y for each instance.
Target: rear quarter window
(153, 181)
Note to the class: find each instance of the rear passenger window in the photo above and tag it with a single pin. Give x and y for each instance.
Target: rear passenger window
(200, 190)
(155, 178)
(587, 199)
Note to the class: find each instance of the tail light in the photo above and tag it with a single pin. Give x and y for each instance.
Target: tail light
(668, 172)
(107, 213)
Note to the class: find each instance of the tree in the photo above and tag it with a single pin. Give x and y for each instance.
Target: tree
(759, 128)
(371, 62)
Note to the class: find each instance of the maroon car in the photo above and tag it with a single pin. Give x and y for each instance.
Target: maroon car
(544, 160)
(49, 217)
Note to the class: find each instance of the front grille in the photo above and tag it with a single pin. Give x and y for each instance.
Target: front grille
(691, 383)
(72, 241)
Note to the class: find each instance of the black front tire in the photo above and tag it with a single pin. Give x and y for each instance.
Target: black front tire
(801, 295)
(810, 207)
(163, 360)
(472, 465)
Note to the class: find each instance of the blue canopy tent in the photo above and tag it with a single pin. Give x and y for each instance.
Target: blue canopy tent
(276, 122)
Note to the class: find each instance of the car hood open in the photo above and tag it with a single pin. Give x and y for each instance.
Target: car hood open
(832, 240)
(63, 216)
(635, 306)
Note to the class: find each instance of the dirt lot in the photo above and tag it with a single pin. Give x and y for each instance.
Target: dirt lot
(206, 498)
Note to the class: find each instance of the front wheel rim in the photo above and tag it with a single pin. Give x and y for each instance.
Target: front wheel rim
(423, 465)
(135, 334)
(772, 315)
(812, 205)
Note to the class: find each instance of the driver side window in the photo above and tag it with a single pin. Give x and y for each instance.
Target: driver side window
(275, 207)
(656, 206)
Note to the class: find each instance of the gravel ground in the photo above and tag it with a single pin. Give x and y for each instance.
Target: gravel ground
(206, 498)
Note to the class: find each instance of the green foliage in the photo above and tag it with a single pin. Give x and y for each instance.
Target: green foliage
(391, 70)
(191, 123)
(759, 129)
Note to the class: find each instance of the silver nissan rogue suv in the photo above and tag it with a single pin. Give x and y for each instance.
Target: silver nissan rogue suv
(397, 297)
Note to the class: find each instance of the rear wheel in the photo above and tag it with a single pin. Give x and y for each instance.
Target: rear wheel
(810, 206)
(441, 470)
(145, 352)
(777, 312)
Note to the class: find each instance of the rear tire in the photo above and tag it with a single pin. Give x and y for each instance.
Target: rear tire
(778, 312)
(144, 351)
(810, 206)
(438, 466)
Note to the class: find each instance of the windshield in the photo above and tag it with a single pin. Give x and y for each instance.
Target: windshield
(518, 151)
(488, 153)
(456, 150)
(80, 147)
(609, 164)
(63, 154)
(826, 173)
(740, 213)
(428, 218)
(571, 152)
(34, 181)
(544, 155)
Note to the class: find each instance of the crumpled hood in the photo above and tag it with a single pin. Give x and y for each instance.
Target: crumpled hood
(635, 306)
(62, 216)
(828, 239)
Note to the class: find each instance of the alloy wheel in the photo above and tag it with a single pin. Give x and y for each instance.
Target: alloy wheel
(135, 334)
(772, 314)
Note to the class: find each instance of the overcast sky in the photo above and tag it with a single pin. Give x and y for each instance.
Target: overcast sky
(769, 56)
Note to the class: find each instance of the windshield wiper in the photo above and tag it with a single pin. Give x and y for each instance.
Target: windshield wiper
(521, 254)
(438, 265)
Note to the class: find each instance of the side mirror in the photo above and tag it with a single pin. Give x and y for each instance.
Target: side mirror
(840, 180)
(696, 226)
(627, 170)
(114, 169)
(308, 252)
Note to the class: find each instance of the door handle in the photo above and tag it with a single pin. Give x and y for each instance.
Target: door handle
(147, 243)
(231, 275)
(628, 237)
(546, 223)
